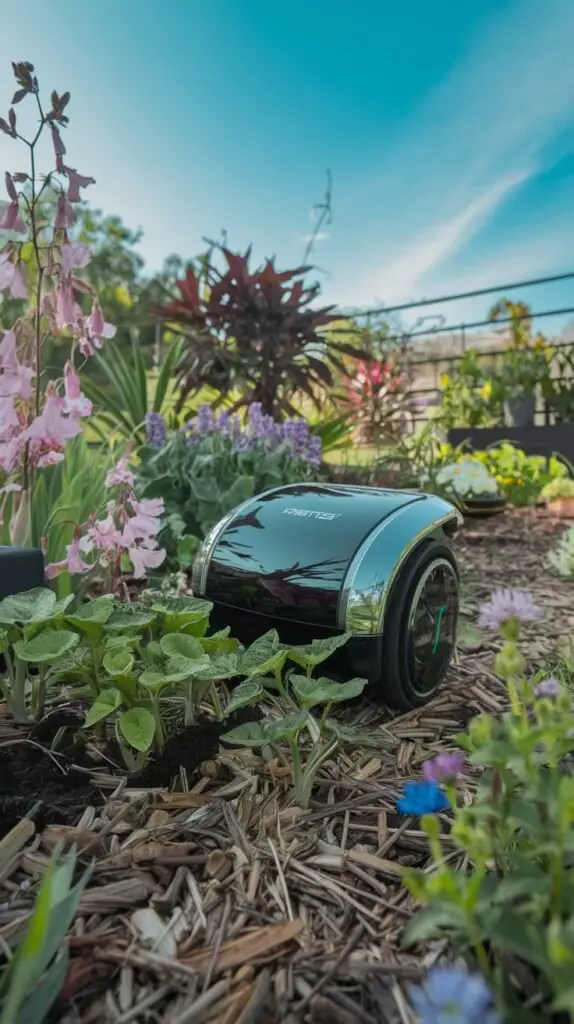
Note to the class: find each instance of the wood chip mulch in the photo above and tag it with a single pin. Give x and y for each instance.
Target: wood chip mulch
(227, 904)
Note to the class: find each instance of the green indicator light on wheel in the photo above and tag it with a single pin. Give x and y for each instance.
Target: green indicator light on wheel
(441, 612)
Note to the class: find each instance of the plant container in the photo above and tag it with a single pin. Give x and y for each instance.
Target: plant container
(20, 569)
(318, 560)
(562, 508)
(482, 506)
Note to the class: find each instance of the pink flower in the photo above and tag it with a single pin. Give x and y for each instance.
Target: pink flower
(443, 766)
(96, 323)
(149, 507)
(49, 459)
(52, 428)
(59, 147)
(103, 534)
(65, 305)
(9, 422)
(75, 183)
(121, 474)
(65, 215)
(145, 523)
(12, 277)
(75, 255)
(10, 452)
(143, 559)
(11, 220)
(73, 562)
(11, 188)
(95, 329)
(16, 378)
(75, 403)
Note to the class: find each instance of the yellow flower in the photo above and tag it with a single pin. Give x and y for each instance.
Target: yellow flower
(486, 390)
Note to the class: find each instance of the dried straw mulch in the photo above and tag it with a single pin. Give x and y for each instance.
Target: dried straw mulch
(226, 904)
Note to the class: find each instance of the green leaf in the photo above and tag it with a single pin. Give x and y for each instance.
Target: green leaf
(514, 933)
(132, 622)
(137, 727)
(248, 692)
(222, 666)
(287, 728)
(264, 655)
(47, 647)
(4, 643)
(107, 701)
(311, 692)
(118, 663)
(184, 615)
(181, 645)
(251, 734)
(37, 605)
(432, 922)
(91, 617)
(187, 548)
(220, 642)
(310, 655)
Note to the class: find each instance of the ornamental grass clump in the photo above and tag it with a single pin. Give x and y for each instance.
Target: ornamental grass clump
(506, 904)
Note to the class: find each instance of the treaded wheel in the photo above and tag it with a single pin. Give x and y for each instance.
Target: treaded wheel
(420, 628)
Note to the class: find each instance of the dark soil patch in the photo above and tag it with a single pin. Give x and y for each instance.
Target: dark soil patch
(189, 748)
(31, 774)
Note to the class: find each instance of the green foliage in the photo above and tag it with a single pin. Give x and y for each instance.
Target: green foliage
(336, 432)
(560, 487)
(202, 481)
(520, 477)
(558, 390)
(31, 982)
(64, 496)
(128, 394)
(472, 395)
(516, 900)
(562, 557)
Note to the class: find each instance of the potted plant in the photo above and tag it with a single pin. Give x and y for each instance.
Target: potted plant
(558, 390)
(470, 486)
(559, 497)
(524, 366)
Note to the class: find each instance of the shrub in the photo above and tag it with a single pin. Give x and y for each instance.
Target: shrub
(207, 468)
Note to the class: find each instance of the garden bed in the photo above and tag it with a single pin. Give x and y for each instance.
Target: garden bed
(257, 911)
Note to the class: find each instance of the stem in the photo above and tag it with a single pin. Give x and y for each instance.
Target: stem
(41, 693)
(18, 699)
(297, 773)
(159, 730)
(216, 702)
(189, 717)
(281, 686)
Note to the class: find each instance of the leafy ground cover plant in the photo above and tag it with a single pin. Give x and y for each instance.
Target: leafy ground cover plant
(213, 464)
(33, 977)
(511, 913)
(562, 558)
(38, 416)
(297, 738)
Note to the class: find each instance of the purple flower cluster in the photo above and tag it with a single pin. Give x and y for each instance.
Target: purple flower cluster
(260, 429)
(507, 605)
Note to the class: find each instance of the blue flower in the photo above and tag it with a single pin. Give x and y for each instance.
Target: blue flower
(451, 996)
(155, 429)
(425, 797)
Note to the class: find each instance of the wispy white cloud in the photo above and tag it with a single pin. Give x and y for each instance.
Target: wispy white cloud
(472, 142)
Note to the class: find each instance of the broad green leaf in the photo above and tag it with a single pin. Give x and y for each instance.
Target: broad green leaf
(37, 605)
(107, 701)
(248, 692)
(287, 728)
(184, 615)
(309, 655)
(186, 550)
(251, 734)
(264, 655)
(220, 642)
(91, 617)
(513, 933)
(221, 666)
(181, 645)
(311, 692)
(137, 727)
(129, 622)
(177, 670)
(4, 644)
(118, 663)
(47, 647)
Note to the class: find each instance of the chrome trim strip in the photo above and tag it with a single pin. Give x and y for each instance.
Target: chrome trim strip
(374, 568)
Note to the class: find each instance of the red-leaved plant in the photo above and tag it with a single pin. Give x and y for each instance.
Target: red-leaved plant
(377, 393)
(253, 333)
(37, 416)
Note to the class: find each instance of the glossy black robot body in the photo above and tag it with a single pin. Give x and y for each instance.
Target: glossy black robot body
(313, 560)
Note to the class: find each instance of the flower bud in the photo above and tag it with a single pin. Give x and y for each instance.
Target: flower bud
(509, 662)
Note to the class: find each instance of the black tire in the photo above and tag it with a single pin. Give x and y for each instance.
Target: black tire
(398, 686)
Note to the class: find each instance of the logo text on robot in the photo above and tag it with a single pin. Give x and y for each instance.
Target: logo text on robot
(309, 514)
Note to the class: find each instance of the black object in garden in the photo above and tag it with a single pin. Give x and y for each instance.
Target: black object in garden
(321, 560)
(20, 569)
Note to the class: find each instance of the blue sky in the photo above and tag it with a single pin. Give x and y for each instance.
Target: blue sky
(448, 128)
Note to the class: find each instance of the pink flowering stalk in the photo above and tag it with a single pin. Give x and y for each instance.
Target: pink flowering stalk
(39, 417)
(125, 538)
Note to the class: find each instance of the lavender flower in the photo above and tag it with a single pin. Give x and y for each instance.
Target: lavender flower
(450, 995)
(443, 766)
(204, 421)
(507, 605)
(155, 430)
(547, 688)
